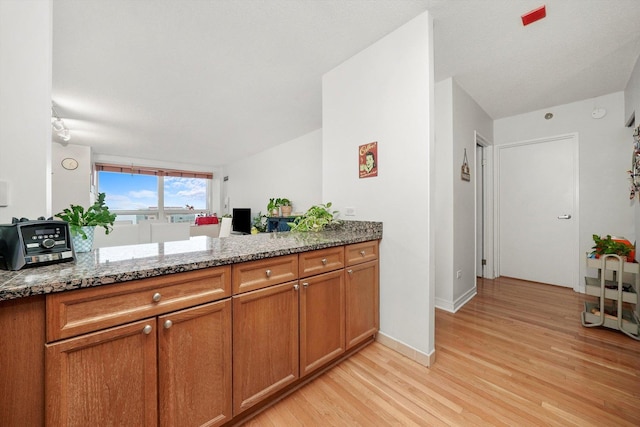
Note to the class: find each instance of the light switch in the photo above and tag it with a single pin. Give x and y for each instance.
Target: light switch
(4, 193)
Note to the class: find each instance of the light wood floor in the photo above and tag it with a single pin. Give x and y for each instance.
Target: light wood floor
(516, 355)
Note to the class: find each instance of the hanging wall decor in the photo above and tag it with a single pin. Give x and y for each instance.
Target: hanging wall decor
(465, 174)
(368, 160)
(634, 172)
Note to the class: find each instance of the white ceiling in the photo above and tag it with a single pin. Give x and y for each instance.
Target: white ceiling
(207, 82)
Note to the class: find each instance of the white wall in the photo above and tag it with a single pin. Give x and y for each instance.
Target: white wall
(467, 119)
(458, 117)
(444, 194)
(292, 170)
(605, 148)
(385, 94)
(70, 186)
(632, 94)
(632, 104)
(25, 107)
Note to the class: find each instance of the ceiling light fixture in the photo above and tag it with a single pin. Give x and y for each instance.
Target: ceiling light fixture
(58, 125)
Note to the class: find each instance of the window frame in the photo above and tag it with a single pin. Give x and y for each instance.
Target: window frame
(160, 173)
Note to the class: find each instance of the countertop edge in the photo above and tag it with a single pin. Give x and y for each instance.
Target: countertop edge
(70, 276)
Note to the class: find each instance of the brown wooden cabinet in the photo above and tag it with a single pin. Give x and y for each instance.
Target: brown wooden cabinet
(362, 293)
(22, 338)
(322, 320)
(194, 365)
(204, 347)
(104, 378)
(265, 343)
(171, 369)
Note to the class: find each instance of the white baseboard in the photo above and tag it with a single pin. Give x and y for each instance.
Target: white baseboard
(452, 307)
(406, 350)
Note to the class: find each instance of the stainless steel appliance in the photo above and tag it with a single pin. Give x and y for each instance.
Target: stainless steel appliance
(29, 243)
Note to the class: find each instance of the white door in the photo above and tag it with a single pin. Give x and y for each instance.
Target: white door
(537, 210)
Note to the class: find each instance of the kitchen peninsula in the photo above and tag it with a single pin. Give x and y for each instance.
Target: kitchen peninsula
(145, 333)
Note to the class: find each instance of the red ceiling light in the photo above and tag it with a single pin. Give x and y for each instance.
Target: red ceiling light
(534, 15)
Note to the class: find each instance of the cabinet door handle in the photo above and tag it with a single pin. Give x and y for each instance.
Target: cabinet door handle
(156, 297)
(268, 272)
(363, 253)
(350, 272)
(168, 324)
(147, 329)
(296, 287)
(324, 261)
(305, 284)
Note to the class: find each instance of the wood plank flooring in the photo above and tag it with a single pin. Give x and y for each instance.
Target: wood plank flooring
(515, 355)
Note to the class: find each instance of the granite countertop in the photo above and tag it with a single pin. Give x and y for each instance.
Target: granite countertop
(122, 263)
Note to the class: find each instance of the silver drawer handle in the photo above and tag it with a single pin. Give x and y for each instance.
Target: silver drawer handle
(350, 272)
(268, 272)
(296, 287)
(324, 261)
(168, 324)
(147, 329)
(156, 297)
(305, 284)
(363, 253)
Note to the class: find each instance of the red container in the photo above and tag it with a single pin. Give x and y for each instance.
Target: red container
(206, 220)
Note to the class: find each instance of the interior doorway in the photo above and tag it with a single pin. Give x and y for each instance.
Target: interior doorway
(483, 217)
(537, 210)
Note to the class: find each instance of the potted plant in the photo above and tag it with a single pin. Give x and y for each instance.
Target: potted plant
(316, 218)
(285, 207)
(82, 222)
(259, 223)
(273, 207)
(613, 245)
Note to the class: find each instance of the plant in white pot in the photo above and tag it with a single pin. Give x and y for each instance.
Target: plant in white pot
(273, 207)
(285, 207)
(82, 222)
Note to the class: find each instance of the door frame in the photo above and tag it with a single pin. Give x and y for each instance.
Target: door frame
(574, 264)
(487, 222)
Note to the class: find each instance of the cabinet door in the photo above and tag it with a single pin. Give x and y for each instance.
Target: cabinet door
(265, 343)
(362, 302)
(104, 378)
(194, 365)
(322, 320)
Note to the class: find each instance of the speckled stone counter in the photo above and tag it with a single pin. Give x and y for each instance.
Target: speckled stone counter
(122, 263)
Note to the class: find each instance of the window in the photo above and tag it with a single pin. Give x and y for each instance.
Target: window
(137, 193)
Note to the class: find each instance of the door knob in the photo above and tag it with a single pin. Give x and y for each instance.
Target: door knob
(565, 216)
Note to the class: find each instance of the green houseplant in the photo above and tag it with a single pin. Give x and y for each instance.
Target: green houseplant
(260, 222)
(316, 218)
(609, 245)
(97, 215)
(285, 207)
(273, 207)
(83, 222)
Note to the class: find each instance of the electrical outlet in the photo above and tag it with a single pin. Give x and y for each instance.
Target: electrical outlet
(350, 211)
(458, 274)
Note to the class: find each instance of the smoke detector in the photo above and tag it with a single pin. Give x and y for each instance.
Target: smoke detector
(598, 113)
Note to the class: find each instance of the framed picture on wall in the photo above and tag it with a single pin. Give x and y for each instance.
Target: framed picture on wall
(368, 160)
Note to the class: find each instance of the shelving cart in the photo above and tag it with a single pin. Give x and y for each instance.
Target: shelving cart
(617, 304)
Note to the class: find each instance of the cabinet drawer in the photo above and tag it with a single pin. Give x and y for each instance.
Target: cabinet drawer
(253, 275)
(362, 252)
(86, 310)
(321, 261)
